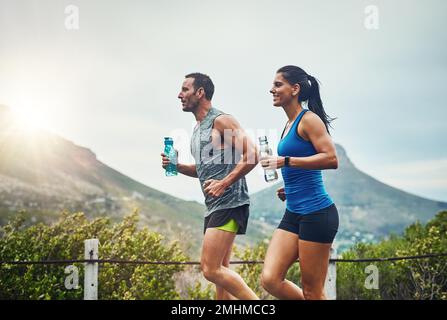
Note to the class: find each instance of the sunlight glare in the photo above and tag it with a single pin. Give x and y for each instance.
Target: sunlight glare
(31, 119)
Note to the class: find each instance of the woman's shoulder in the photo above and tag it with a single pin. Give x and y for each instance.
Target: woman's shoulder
(310, 122)
(311, 118)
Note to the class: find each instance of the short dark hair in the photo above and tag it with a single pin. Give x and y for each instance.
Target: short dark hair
(202, 81)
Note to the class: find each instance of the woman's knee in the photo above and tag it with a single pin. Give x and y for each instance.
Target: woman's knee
(313, 293)
(269, 280)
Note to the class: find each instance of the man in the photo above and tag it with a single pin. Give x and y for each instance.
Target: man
(224, 155)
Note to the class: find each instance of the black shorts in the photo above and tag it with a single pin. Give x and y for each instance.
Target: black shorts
(319, 226)
(220, 217)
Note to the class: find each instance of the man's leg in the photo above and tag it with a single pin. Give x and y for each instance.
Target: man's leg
(221, 293)
(216, 245)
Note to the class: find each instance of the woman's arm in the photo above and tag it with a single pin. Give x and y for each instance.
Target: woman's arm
(326, 157)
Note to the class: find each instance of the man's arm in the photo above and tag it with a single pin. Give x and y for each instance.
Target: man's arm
(187, 169)
(234, 136)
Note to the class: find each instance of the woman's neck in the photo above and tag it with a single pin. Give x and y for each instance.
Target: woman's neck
(292, 110)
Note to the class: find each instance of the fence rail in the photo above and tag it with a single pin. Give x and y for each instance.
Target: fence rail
(91, 262)
(143, 262)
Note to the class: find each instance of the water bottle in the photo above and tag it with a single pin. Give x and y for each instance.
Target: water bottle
(270, 175)
(171, 169)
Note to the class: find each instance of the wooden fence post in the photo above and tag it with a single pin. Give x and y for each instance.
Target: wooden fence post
(91, 270)
(330, 285)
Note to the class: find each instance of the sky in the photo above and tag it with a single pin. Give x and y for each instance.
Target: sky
(106, 75)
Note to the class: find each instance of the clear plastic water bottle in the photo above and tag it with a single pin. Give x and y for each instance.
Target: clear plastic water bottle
(171, 169)
(270, 175)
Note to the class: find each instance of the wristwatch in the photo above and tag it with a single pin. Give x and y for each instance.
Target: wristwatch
(286, 161)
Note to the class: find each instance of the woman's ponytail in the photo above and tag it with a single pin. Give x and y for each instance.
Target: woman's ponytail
(315, 104)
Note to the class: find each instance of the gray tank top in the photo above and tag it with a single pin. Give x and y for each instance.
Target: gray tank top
(215, 163)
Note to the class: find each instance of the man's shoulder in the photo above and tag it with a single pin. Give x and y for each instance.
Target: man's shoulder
(224, 121)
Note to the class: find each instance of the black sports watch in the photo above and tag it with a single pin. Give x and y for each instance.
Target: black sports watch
(286, 161)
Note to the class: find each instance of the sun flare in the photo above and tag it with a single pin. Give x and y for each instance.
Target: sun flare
(31, 119)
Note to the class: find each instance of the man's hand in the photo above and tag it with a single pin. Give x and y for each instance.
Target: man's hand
(214, 188)
(281, 194)
(165, 160)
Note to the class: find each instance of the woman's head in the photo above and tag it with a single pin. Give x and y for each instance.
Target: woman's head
(292, 82)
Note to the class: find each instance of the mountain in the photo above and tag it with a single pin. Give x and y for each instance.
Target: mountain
(44, 174)
(368, 208)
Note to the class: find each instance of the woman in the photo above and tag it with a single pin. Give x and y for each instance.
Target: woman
(310, 222)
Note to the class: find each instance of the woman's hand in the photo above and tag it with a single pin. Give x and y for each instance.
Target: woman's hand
(272, 162)
(281, 194)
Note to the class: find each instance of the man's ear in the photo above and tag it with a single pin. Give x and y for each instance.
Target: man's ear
(200, 92)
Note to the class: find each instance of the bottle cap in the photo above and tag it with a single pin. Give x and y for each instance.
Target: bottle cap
(263, 139)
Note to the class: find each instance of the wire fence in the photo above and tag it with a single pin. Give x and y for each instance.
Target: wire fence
(143, 262)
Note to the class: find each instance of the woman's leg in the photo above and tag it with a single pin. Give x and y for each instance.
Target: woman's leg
(281, 254)
(216, 245)
(314, 261)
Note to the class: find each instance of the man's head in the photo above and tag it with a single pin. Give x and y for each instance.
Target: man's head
(196, 87)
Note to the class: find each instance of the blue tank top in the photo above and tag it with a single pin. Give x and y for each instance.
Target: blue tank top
(304, 189)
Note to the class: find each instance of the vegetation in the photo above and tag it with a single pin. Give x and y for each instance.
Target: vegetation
(64, 240)
(403, 279)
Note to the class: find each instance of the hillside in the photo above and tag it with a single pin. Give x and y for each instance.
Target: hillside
(368, 208)
(44, 174)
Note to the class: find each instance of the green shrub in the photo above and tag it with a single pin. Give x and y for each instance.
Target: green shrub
(403, 279)
(64, 240)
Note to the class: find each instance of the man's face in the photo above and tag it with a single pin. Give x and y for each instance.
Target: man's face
(188, 95)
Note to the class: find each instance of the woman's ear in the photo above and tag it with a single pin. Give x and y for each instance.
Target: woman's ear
(296, 89)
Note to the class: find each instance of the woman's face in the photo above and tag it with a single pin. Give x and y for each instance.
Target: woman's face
(283, 92)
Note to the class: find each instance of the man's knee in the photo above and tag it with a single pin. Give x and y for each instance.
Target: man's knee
(210, 273)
